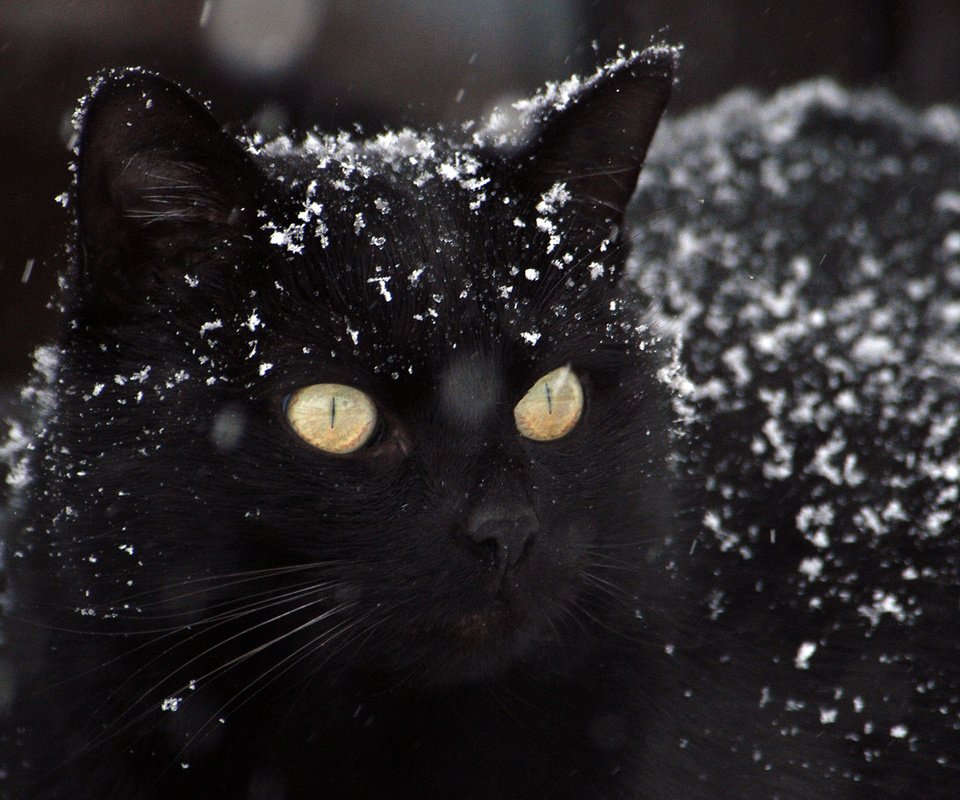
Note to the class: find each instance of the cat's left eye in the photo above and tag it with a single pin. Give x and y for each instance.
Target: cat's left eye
(552, 407)
(332, 417)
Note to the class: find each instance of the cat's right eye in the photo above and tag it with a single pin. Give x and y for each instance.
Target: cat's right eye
(332, 417)
(552, 407)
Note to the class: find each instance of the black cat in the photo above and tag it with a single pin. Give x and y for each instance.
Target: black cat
(363, 471)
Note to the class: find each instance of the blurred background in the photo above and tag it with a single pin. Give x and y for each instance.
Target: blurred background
(275, 64)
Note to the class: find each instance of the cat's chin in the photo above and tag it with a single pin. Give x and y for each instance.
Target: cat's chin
(475, 646)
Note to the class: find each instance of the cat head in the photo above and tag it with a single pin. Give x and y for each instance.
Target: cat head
(396, 384)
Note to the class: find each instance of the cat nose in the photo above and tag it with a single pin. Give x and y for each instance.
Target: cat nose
(505, 536)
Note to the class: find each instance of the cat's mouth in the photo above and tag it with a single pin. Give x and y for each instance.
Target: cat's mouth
(479, 625)
(476, 644)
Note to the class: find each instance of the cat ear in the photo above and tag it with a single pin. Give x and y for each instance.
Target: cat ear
(155, 177)
(595, 143)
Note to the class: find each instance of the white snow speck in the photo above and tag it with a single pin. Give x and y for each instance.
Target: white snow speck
(804, 653)
(883, 603)
(170, 704)
(530, 337)
(384, 291)
(811, 567)
(947, 201)
(210, 326)
(735, 360)
(872, 349)
(290, 237)
(555, 197)
(546, 225)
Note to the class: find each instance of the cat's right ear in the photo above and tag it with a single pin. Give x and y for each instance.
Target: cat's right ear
(595, 141)
(156, 178)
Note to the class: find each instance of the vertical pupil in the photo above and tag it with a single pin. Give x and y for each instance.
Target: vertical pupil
(333, 410)
(549, 398)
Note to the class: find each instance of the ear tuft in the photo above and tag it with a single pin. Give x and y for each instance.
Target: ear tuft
(593, 136)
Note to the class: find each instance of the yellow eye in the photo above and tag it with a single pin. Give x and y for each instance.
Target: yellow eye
(332, 417)
(552, 407)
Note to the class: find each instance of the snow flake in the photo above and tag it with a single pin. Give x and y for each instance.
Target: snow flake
(206, 327)
(883, 603)
(554, 198)
(804, 653)
(384, 292)
(171, 704)
(811, 567)
(530, 337)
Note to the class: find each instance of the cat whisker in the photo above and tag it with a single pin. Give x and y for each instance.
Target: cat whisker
(225, 619)
(569, 612)
(212, 674)
(290, 661)
(604, 560)
(234, 605)
(235, 636)
(273, 597)
(635, 544)
(583, 609)
(235, 579)
(554, 630)
(607, 586)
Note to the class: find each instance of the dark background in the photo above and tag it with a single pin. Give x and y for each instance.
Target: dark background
(280, 63)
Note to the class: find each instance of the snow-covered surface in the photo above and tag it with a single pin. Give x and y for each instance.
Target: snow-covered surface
(805, 253)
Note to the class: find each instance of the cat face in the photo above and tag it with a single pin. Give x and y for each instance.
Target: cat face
(379, 398)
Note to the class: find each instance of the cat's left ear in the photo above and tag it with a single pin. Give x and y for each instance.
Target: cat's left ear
(595, 143)
(157, 179)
